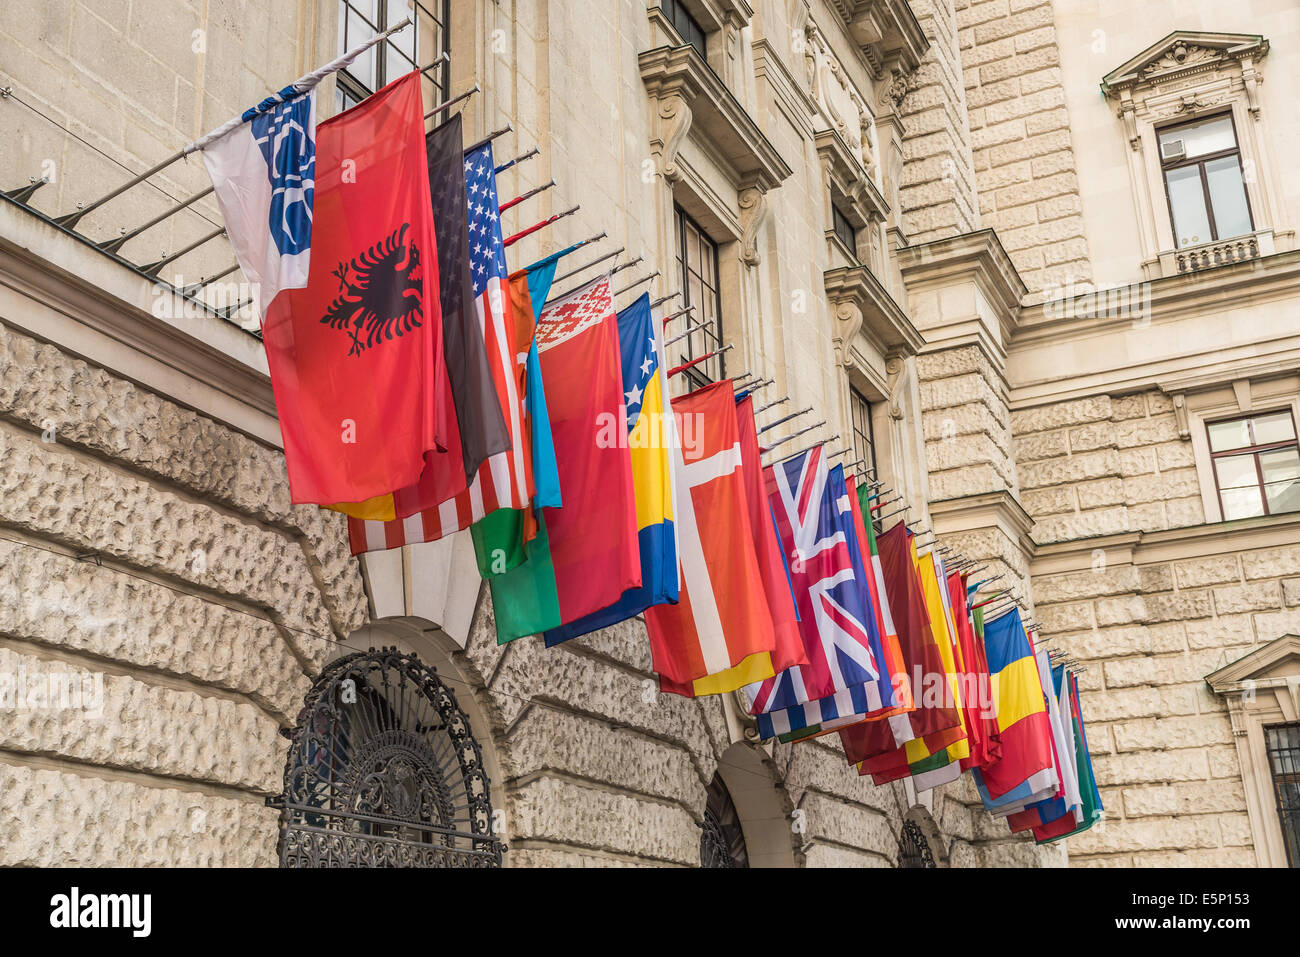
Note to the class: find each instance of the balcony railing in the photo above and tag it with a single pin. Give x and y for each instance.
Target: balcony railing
(1222, 253)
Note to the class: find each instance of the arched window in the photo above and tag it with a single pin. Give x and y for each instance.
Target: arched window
(913, 848)
(722, 842)
(384, 771)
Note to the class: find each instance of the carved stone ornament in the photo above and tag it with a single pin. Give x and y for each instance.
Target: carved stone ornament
(753, 212)
(674, 123)
(894, 367)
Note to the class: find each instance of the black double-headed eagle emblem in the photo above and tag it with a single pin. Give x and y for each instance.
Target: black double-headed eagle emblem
(381, 293)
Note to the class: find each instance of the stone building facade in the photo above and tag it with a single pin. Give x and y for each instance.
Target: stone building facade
(906, 206)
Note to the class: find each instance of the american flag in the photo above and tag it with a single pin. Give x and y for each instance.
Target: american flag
(505, 480)
(832, 608)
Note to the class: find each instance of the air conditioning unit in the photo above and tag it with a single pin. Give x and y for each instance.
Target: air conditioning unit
(1172, 150)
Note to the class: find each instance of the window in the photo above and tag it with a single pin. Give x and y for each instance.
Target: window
(697, 264)
(1283, 743)
(864, 444)
(1202, 172)
(844, 230)
(1256, 464)
(684, 23)
(426, 38)
(722, 840)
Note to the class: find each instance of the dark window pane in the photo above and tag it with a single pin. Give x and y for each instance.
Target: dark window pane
(1187, 199)
(1228, 197)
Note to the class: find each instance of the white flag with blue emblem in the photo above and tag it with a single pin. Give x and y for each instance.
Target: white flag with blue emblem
(263, 169)
(264, 173)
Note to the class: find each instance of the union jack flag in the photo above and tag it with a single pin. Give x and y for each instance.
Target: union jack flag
(833, 607)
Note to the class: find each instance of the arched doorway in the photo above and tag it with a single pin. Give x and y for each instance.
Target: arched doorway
(384, 771)
(722, 840)
(913, 848)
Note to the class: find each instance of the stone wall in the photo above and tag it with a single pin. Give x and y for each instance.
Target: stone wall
(154, 550)
(1102, 465)
(1162, 743)
(1020, 137)
(938, 194)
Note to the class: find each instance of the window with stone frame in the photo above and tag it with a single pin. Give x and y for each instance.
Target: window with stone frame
(427, 38)
(690, 29)
(697, 268)
(1256, 462)
(1283, 744)
(844, 230)
(1205, 187)
(1204, 184)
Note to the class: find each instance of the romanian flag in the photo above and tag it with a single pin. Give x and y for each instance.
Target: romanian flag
(933, 720)
(1025, 769)
(721, 628)
(1066, 802)
(586, 554)
(650, 435)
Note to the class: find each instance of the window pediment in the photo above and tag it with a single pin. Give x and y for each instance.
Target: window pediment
(849, 180)
(1182, 54)
(692, 100)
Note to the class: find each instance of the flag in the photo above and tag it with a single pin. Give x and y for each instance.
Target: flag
(650, 436)
(586, 554)
(829, 593)
(895, 666)
(986, 745)
(503, 539)
(1066, 801)
(788, 650)
(422, 513)
(1025, 768)
(872, 699)
(1091, 797)
(356, 352)
(721, 625)
(934, 719)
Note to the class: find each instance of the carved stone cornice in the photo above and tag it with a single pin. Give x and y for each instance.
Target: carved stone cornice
(979, 255)
(690, 100)
(862, 305)
(883, 30)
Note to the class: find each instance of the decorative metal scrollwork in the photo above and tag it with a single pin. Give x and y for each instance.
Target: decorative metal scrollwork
(722, 841)
(384, 771)
(913, 848)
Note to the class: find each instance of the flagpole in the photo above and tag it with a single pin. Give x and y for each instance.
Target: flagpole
(535, 227)
(511, 203)
(299, 86)
(518, 159)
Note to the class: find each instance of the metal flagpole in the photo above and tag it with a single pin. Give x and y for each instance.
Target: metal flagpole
(631, 286)
(452, 102)
(510, 203)
(535, 227)
(299, 86)
(792, 415)
(517, 160)
(489, 138)
(574, 272)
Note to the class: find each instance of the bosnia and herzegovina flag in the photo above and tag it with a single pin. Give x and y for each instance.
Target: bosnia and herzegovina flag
(650, 435)
(586, 554)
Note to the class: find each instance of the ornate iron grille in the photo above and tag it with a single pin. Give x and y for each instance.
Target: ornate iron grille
(913, 848)
(1283, 743)
(722, 841)
(384, 771)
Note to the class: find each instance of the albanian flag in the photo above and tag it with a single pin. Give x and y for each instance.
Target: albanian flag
(356, 357)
